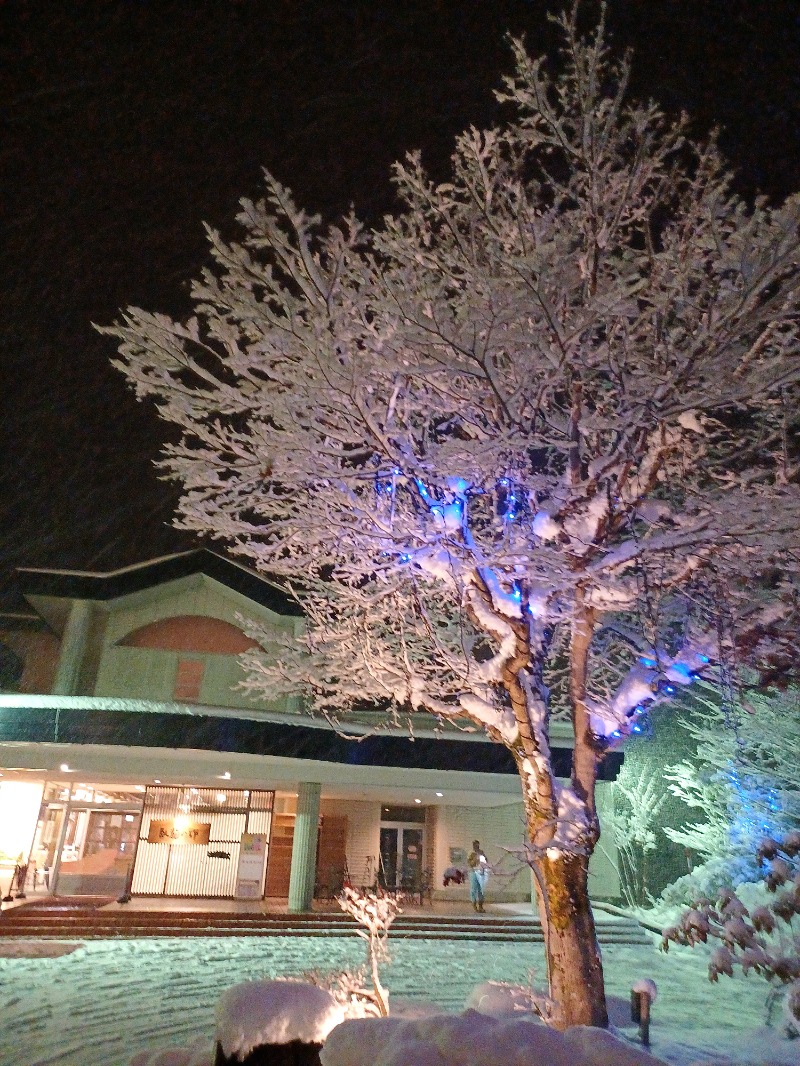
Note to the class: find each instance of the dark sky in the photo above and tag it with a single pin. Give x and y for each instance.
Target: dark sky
(127, 124)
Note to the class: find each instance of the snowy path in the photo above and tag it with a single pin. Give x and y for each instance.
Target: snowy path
(119, 997)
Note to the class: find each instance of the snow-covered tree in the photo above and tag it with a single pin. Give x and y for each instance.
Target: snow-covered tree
(740, 782)
(764, 938)
(375, 911)
(745, 765)
(639, 798)
(525, 449)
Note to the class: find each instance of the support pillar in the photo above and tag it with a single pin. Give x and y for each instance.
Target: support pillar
(304, 848)
(73, 649)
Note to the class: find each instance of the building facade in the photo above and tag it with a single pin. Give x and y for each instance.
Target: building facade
(131, 761)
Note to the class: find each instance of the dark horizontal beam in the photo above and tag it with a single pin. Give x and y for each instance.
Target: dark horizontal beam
(204, 732)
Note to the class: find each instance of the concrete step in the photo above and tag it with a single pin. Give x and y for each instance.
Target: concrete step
(99, 924)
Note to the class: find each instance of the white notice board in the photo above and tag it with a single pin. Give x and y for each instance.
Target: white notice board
(252, 861)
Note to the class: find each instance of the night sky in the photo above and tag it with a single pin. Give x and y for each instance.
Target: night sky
(126, 124)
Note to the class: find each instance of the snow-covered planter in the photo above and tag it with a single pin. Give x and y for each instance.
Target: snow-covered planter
(764, 938)
(474, 1039)
(274, 1023)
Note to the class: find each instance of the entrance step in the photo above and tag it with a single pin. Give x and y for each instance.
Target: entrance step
(71, 923)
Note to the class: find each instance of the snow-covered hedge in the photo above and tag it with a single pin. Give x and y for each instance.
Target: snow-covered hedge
(473, 1039)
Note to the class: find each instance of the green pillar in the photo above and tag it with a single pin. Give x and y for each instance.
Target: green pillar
(304, 848)
(73, 649)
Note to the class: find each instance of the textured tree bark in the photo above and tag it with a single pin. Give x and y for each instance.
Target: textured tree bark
(575, 965)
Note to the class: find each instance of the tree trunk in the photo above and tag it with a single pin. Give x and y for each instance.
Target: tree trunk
(575, 968)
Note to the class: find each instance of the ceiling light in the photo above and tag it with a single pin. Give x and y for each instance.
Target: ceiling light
(65, 768)
(226, 776)
(418, 801)
(156, 781)
(440, 794)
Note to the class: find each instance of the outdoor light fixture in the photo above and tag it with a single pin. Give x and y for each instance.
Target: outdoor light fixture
(418, 801)
(226, 776)
(156, 781)
(440, 794)
(65, 768)
(221, 797)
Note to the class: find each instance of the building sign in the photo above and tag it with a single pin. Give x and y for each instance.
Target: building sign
(178, 831)
(252, 861)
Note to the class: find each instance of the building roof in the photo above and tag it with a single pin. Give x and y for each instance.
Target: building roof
(96, 585)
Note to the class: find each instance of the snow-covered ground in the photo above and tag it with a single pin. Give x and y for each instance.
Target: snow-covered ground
(104, 1002)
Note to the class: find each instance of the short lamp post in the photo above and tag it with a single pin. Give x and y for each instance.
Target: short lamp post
(643, 996)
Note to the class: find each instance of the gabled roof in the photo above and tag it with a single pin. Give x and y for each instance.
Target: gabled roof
(90, 585)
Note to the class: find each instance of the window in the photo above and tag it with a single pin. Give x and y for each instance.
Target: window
(188, 680)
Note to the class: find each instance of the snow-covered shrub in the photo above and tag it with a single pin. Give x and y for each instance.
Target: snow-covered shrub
(763, 938)
(474, 1039)
(257, 1013)
(347, 987)
(707, 879)
(375, 911)
(500, 999)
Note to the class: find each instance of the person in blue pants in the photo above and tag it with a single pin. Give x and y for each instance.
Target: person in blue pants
(478, 874)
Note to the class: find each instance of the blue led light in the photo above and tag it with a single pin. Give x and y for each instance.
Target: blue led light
(704, 658)
(646, 661)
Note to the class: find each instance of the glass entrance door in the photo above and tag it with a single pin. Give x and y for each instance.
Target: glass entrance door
(401, 856)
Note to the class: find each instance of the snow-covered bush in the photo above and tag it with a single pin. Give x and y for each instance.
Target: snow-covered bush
(375, 911)
(708, 878)
(500, 999)
(258, 1013)
(349, 988)
(764, 938)
(474, 1039)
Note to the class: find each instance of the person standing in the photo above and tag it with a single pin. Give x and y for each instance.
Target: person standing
(478, 875)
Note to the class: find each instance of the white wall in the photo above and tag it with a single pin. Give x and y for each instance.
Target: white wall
(363, 839)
